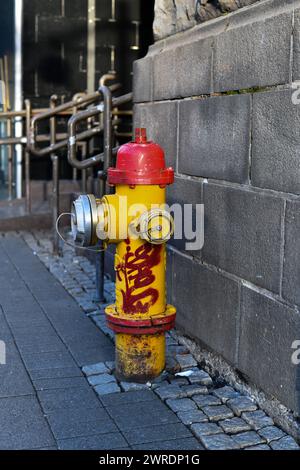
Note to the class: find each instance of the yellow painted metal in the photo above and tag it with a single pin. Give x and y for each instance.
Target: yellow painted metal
(140, 279)
(140, 358)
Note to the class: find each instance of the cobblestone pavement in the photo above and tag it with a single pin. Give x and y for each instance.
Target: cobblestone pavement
(58, 389)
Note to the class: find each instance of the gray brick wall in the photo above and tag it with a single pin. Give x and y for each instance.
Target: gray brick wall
(218, 98)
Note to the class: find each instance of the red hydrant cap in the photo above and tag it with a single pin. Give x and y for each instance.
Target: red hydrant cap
(140, 162)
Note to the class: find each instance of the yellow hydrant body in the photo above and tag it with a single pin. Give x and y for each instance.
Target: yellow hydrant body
(136, 220)
(140, 290)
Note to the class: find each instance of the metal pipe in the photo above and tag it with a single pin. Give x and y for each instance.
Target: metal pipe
(10, 171)
(39, 138)
(18, 98)
(70, 104)
(11, 140)
(37, 111)
(6, 81)
(54, 111)
(76, 97)
(55, 178)
(96, 159)
(107, 147)
(106, 77)
(27, 159)
(83, 147)
(91, 45)
(63, 143)
(107, 138)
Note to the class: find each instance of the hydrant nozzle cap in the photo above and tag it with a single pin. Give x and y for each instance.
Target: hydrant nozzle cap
(140, 135)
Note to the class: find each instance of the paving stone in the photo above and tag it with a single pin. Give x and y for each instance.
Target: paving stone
(247, 439)
(186, 361)
(179, 381)
(219, 442)
(206, 400)
(97, 442)
(69, 398)
(241, 404)
(155, 385)
(23, 425)
(161, 379)
(205, 429)
(226, 393)
(172, 366)
(37, 343)
(178, 349)
(189, 443)
(234, 425)
(201, 377)
(63, 382)
(107, 388)
(46, 360)
(130, 386)
(100, 379)
(141, 414)
(192, 416)
(156, 433)
(271, 433)
(14, 380)
(64, 425)
(216, 413)
(122, 399)
(285, 443)
(191, 390)
(110, 365)
(259, 447)
(257, 419)
(181, 404)
(64, 372)
(169, 391)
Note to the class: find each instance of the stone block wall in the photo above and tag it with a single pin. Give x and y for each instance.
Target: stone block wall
(173, 16)
(218, 98)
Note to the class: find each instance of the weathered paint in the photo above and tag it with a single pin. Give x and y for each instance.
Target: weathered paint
(139, 358)
(140, 293)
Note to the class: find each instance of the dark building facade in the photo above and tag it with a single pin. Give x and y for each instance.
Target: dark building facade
(55, 49)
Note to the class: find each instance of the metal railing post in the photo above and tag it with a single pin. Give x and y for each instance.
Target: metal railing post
(10, 170)
(55, 178)
(107, 144)
(27, 159)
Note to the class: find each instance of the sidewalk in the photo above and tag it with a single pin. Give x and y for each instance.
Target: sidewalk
(58, 391)
(46, 402)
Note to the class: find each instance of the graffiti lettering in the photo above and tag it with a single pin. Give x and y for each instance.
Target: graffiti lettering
(136, 270)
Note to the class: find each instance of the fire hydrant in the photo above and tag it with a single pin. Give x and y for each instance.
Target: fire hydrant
(136, 220)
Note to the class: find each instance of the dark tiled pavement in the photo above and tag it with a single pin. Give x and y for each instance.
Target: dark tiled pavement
(45, 401)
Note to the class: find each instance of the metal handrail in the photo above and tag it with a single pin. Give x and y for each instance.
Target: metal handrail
(83, 115)
(82, 100)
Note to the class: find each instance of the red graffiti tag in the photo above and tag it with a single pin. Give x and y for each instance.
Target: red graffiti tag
(136, 269)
